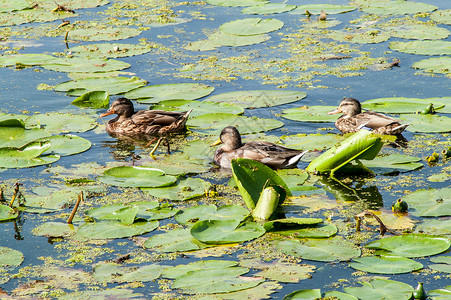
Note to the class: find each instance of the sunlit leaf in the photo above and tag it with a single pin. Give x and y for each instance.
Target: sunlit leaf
(173, 241)
(430, 202)
(93, 99)
(427, 123)
(26, 156)
(251, 26)
(199, 107)
(304, 295)
(279, 271)
(185, 189)
(423, 47)
(103, 33)
(315, 9)
(317, 114)
(236, 2)
(112, 85)
(442, 16)
(54, 229)
(173, 91)
(219, 39)
(225, 232)
(400, 105)
(393, 163)
(418, 32)
(443, 264)
(115, 230)
(112, 272)
(136, 177)
(258, 98)
(67, 144)
(397, 8)
(268, 8)
(111, 50)
(55, 122)
(377, 288)
(7, 213)
(440, 65)
(10, 257)
(190, 215)
(385, 264)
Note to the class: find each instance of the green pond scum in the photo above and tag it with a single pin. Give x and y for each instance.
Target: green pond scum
(174, 226)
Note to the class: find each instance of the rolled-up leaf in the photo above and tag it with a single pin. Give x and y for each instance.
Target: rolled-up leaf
(361, 145)
(266, 205)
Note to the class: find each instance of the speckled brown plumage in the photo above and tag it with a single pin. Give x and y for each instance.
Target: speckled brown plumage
(270, 154)
(354, 119)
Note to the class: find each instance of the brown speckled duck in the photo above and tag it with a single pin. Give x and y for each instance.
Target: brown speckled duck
(354, 119)
(272, 155)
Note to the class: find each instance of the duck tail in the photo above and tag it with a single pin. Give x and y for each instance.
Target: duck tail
(295, 159)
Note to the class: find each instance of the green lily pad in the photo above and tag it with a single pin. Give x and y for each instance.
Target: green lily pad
(29, 59)
(393, 163)
(315, 9)
(181, 270)
(54, 229)
(114, 293)
(85, 65)
(435, 227)
(32, 15)
(225, 232)
(411, 245)
(112, 272)
(293, 177)
(196, 213)
(307, 231)
(103, 33)
(153, 211)
(376, 289)
(93, 99)
(430, 202)
(290, 222)
(115, 230)
(199, 107)
(173, 91)
(55, 122)
(440, 294)
(185, 189)
(360, 37)
(443, 264)
(10, 257)
(307, 294)
(212, 124)
(236, 2)
(18, 136)
(340, 295)
(440, 65)
(221, 280)
(66, 144)
(322, 25)
(279, 271)
(11, 121)
(423, 47)
(268, 8)
(330, 249)
(316, 114)
(427, 123)
(26, 156)
(385, 264)
(9, 6)
(259, 98)
(219, 39)
(176, 240)
(112, 85)
(397, 8)
(136, 177)
(311, 141)
(50, 202)
(118, 212)
(442, 16)
(109, 50)
(418, 32)
(72, 4)
(403, 105)
(7, 213)
(251, 26)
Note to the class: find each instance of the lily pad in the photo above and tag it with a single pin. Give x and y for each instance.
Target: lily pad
(110, 50)
(403, 105)
(26, 156)
(279, 271)
(251, 26)
(212, 124)
(185, 189)
(443, 264)
(435, 227)
(112, 85)
(152, 210)
(9, 6)
(315, 9)
(385, 264)
(115, 230)
(307, 231)
(427, 123)
(199, 107)
(316, 114)
(377, 288)
(311, 141)
(32, 15)
(393, 163)
(418, 32)
(66, 144)
(176, 240)
(17, 136)
(411, 245)
(10, 257)
(55, 122)
(258, 98)
(173, 91)
(430, 202)
(181, 270)
(423, 47)
(103, 33)
(93, 99)
(85, 65)
(136, 177)
(50, 202)
(112, 272)
(361, 37)
(236, 2)
(340, 295)
(219, 39)
(196, 213)
(268, 8)
(331, 249)
(440, 65)
(442, 16)
(306, 294)
(7, 213)
(29, 59)
(118, 212)
(397, 8)
(54, 229)
(225, 232)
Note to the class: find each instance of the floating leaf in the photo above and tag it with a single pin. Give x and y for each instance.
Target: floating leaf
(85, 65)
(443, 264)
(199, 107)
(311, 141)
(258, 98)
(50, 201)
(212, 124)
(427, 123)
(430, 202)
(103, 33)
(7, 213)
(361, 37)
(219, 39)
(18, 136)
(153, 211)
(62, 122)
(236, 2)
(185, 189)
(112, 85)
(173, 91)
(225, 232)
(442, 16)
(136, 177)
(32, 15)
(112, 272)
(10, 257)
(268, 8)
(411, 245)
(340, 296)
(251, 26)
(331, 249)
(440, 65)
(93, 99)
(54, 229)
(26, 156)
(397, 8)
(304, 295)
(304, 231)
(376, 289)
(402, 105)
(315, 9)
(317, 114)
(118, 212)
(418, 32)
(196, 213)
(29, 59)
(279, 271)
(67, 144)
(115, 230)
(111, 50)
(393, 163)
(385, 264)
(435, 227)
(423, 47)
(9, 6)
(174, 241)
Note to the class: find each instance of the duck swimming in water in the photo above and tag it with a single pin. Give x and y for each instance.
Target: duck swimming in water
(354, 119)
(272, 155)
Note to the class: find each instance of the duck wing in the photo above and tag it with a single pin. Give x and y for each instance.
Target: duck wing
(271, 154)
(374, 120)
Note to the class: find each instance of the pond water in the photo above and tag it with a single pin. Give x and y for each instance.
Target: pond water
(279, 63)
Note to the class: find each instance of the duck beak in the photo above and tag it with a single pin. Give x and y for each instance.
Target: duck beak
(335, 111)
(218, 142)
(107, 113)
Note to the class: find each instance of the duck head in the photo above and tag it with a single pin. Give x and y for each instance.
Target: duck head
(122, 107)
(230, 137)
(348, 106)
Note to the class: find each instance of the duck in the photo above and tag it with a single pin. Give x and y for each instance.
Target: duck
(270, 154)
(143, 122)
(353, 119)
